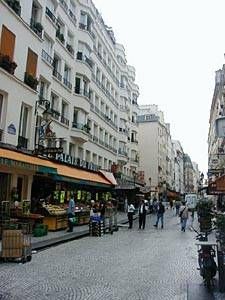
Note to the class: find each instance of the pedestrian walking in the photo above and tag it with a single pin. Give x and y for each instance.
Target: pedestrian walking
(130, 213)
(71, 214)
(142, 214)
(160, 214)
(177, 206)
(183, 216)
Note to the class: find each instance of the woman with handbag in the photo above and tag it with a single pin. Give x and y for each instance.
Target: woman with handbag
(183, 216)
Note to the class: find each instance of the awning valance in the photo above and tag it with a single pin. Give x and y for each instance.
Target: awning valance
(20, 160)
(15, 159)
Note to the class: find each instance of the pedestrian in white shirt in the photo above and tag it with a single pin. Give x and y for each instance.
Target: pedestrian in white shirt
(130, 213)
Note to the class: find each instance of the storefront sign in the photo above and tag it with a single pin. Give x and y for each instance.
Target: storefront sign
(17, 164)
(70, 160)
(11, 129)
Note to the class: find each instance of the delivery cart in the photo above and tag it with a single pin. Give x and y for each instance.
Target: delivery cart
(16, 242)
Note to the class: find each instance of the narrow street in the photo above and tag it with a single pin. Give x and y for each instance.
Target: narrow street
(130, 264)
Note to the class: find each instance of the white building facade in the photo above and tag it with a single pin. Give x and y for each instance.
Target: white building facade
(178, 166)
(156, 155)
(61, 57)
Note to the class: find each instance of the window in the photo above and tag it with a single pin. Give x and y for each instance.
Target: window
(23, 127)
(43, 90)
(31, 63)
(77, 85)
(7, 42)
(75, 116)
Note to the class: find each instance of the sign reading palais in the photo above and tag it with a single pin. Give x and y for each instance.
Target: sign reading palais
(70, 160)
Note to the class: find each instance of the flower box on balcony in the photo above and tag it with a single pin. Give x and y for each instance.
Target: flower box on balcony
(15, 5)
(31, 81)
(7, 64)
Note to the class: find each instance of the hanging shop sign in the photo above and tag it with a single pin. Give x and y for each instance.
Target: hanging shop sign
(49, 151)
(11, 129)
(17, 164)
(70, 160)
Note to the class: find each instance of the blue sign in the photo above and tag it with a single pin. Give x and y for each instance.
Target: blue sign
(11, 129)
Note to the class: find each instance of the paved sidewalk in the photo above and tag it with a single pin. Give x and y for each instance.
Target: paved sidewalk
(57, 237)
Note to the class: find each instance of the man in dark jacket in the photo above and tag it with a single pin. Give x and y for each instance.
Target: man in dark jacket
(142, 214)
(160, 213)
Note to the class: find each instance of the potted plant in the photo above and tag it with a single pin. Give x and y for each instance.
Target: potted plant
(204, 210)
(31, 81)
(7, 64)
(39, 27)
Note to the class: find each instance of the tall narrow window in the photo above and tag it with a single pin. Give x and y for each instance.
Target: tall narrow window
(7, 42)
(31, 67)
(77, 85)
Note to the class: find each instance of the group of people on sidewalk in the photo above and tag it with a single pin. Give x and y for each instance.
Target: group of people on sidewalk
(182, 211)
(142, 211)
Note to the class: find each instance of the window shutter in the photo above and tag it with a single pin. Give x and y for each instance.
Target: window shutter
(31, 63)
(7, 42)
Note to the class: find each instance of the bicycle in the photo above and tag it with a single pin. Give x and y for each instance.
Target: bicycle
(206, 254)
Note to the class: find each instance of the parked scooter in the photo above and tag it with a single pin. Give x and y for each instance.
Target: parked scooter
(206, 255)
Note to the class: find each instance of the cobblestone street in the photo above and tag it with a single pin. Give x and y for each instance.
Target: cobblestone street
(130, 264)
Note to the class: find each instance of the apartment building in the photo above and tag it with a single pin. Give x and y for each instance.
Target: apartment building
(178, 167)
(155, 147)
(188, 175)
(216, 158)
(59, 58)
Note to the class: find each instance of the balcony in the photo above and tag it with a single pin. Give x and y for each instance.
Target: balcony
(70, 49)
(81, 133)
(46, 57)
(56, 74)
(65, 121)
(64, 5)
(85, 59)
(83, 92)
(22, 142)
(122, 152)
(31, 81)
(15, 5)
(7, 64)
(50, 15)
(55, 114)
(60, 36)
(134, 141)
(36, 27)
(72, 16)
(67, 83)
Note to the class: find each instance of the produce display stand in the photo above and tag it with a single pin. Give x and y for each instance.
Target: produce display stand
(55, 217)
(16, 242)
(83, 217)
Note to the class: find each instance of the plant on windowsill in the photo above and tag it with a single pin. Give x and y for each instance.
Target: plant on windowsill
(7, 64)
(31, 81)
(15, 5)
(38, 27)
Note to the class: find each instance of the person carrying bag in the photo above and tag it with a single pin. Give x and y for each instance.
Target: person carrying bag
(130, 213)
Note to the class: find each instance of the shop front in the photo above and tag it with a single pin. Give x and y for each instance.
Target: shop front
(36, 189)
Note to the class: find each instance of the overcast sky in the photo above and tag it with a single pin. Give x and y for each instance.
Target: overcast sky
(175, 46)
